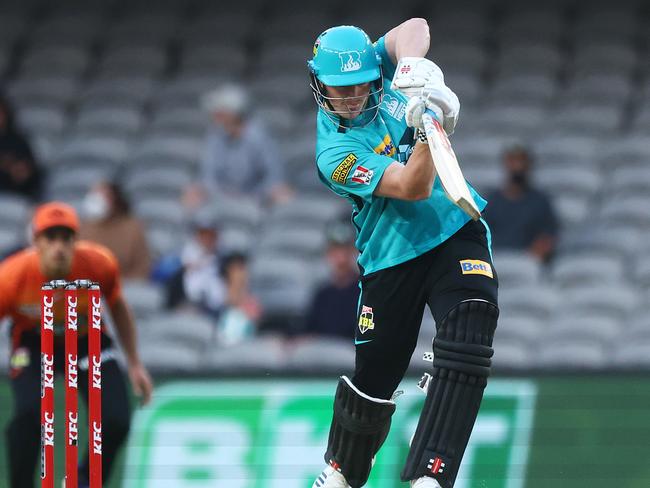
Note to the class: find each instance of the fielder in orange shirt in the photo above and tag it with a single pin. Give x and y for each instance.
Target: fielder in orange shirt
(57, 254)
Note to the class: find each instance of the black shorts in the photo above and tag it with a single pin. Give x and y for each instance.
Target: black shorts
(392, 302)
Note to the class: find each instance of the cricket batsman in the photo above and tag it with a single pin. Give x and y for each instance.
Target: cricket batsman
(56, 254)
(416, 248)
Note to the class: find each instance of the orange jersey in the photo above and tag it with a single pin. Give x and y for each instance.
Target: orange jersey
(20, 289)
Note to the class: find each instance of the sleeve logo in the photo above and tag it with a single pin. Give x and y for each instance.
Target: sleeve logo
(340, 174)
(476, 266)
(362, 175)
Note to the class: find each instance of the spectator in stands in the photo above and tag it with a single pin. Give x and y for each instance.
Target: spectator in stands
(109, 221)
(520, 215)
(242, 310)
(239, 157)
(198, 283)
(333, 308)
(19, 173)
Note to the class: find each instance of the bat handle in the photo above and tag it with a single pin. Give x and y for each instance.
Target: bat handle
(432, 114)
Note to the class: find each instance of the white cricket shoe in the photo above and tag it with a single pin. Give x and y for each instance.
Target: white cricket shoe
(330, 478)
(425, 482)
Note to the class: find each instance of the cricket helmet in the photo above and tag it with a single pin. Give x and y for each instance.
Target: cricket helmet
(345, 56)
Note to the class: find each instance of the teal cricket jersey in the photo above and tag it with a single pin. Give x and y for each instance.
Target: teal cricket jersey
(352, 162)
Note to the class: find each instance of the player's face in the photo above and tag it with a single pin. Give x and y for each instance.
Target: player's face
(55, 248)
(348, 101)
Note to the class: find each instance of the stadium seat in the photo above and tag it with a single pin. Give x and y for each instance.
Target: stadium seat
(209, 59)
(144, 298)
(532, 22)
(610, 301)
(305, 242)
(631, 151)
(454, 58)
(526, 329)
(170, 357)
(577, 354)
(12, 28)
(180, 120)
(630, 209)
(530, 59)
(571, 209)
(160, 28)
(565, 150)
(569, 325)
(76, 28)
(633, 355)
(516, 268)
(112, 121)
(96, 150)
(536, 301)
(605, 59)
(261, 354)
(55, 61)
(121, 90)
(51, 90)
(221, 27)
(597, 90)
(512, 354)
(61, 182)
(161, 211)
(591, 121)
(525, 89)
(11, 237)
(133, 61)
(157, 183)
(42, 120)
(240, 212)
(569, 180)
(305, 211)
(458, 25)
(184, 92)
(283, 285)
(322, 355)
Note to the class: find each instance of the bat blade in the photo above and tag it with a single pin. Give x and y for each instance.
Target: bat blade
(447, 167)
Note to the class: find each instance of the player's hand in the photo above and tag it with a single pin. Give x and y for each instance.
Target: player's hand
(415, 108)
(141, 382)
(419, 77)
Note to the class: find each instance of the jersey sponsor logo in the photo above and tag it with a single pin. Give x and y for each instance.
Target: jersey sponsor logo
(350, 61)
(341, 172)
(393, 106)
(362, 175)
(316, 46)
(366, 319)
(476, 266)
(386, 148)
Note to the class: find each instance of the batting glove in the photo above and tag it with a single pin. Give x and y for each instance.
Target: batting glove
(423, 79)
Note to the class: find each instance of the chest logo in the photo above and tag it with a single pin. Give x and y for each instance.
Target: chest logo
(393, 106)
(386, 148)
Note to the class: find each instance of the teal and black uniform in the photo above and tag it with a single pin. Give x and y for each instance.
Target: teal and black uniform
(352, 162)
(413, 254)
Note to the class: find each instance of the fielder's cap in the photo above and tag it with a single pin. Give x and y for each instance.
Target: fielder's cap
(54, 214)
(226, 98)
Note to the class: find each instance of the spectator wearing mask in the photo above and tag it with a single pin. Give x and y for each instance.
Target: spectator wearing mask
(239, 157)
(19, 173)
(333, 309)
(521, 216)
(109, 221)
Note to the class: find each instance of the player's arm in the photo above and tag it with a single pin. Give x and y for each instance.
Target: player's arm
(410, 38)
(413, 181)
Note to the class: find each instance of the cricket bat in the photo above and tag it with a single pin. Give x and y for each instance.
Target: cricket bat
(446, 164)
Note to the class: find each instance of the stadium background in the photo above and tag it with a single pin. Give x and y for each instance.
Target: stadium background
(101, 86)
